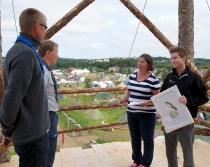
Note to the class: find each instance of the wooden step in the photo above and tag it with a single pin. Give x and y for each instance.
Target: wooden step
(118, 154)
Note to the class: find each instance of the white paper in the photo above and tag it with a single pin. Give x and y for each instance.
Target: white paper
(135, 103)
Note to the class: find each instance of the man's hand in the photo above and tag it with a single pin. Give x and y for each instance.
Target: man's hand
(4, 141)
(183, 100)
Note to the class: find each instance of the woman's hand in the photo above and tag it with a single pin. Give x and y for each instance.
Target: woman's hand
(121, 102)
(146, 103)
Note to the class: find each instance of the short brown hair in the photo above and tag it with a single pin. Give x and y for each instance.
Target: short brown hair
(45, 46)
(181, 51)
(149, 61)
(28, 17)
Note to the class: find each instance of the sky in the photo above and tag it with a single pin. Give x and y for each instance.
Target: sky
(106, 28)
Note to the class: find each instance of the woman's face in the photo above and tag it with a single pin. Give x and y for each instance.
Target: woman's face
(142, 64)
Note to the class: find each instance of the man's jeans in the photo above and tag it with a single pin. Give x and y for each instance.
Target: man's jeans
(185, 136)
(53, 135)
(34, 154)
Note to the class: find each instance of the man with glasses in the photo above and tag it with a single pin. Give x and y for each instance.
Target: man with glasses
(24, 110)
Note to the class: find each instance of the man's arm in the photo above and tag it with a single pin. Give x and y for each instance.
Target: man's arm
(18, 80)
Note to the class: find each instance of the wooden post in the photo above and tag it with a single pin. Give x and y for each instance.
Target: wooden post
(156, 32)
(186, 26)
(3, 152)
(67, 18)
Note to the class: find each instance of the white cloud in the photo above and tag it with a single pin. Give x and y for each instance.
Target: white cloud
(106, 28)
(96, 45)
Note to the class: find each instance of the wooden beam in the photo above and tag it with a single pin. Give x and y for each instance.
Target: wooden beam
(156, 32)
(67, 18)
(91, 90)
(193, 68)
(93, 127)
(94, 106)
(206, 76)
(186, 26)
(205, 107)
(202, 131)
(201, 122)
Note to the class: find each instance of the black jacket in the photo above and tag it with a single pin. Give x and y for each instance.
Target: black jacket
(191, 86)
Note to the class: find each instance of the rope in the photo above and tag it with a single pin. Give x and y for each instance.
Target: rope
(14, 17)
(208, 4)
(136, 31)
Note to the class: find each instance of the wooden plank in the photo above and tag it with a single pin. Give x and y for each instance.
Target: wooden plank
(159, 158)
(114, 154)
(92, 158)
(79, 157)
(202, 143)
(201, 152)
(5, 164)
(200, 149)
(57, 161)
(14, 161)
(125, 151)
(160, 155)
(67, 158)
(103, 156)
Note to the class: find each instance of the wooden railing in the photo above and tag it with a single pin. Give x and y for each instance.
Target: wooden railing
(198, 131)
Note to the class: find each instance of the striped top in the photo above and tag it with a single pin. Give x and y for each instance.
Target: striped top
(141, 91)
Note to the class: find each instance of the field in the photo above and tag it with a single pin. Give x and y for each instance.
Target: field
(87, 119)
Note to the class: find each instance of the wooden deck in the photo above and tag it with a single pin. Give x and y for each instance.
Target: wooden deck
(118, 154)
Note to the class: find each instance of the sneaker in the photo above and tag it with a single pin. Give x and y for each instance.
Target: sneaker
(134, 165)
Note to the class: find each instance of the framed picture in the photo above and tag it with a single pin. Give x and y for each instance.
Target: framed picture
(174, 115)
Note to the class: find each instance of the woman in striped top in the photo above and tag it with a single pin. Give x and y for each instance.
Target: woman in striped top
(141, 112)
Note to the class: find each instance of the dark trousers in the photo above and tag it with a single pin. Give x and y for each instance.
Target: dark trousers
(34, 154)
(141, 126)
(185, 136)
(53, 135)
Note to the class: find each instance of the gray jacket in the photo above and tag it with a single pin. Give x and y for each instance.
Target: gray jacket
(24, 110)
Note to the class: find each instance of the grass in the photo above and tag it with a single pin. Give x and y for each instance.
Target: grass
(111, 114)
(11, 153)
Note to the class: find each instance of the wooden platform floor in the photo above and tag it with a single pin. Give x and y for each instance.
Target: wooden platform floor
(118, 154)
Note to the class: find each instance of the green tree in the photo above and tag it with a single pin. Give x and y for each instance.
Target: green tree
(88, 82)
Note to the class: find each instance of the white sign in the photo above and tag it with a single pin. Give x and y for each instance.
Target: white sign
(174, 115)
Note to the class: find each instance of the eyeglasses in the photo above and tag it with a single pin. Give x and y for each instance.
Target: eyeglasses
(41, 25)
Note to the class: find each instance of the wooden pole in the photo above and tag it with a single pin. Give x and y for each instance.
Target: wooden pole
(67, 18)
(93, 106)
(156, 32)
(91, 90)
(186, 26)
(3, 152)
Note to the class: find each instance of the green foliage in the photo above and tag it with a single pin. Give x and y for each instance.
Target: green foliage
(101, 141)
(88, 82)
(124, 63)
(11, 153)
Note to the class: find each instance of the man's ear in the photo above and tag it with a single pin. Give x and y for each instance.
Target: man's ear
(47, 53)
(184, 58)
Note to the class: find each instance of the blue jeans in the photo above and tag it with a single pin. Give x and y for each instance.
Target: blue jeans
(53, 135)
(34, 154)
(141, 126)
